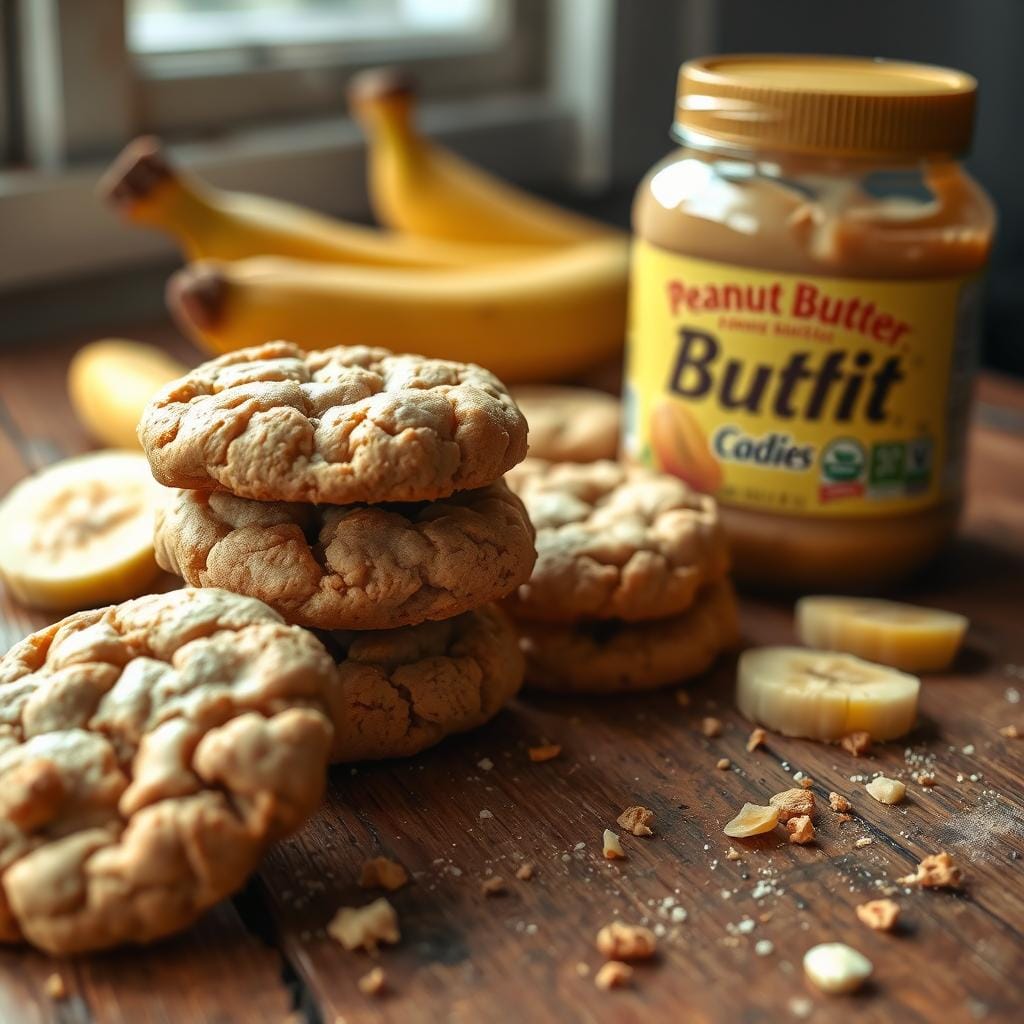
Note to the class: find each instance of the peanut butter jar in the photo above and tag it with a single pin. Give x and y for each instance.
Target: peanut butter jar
(804, 310)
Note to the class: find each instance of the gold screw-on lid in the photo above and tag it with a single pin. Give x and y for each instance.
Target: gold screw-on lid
(830, 106)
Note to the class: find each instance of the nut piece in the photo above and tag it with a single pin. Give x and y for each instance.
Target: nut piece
(381, 873)
(935, 872)
(547, 752)
(524, 872)
(756, 739)
(711, 727)
(621, 941)
(613, 974)
(856, 743)
(879, 914)
(835, 968)
(752, 820)
(373, 982)
(365, 927)
(886, 791)
(801, 831)
(839, 804)
(793, 803)
(637, 820)
(612, 847)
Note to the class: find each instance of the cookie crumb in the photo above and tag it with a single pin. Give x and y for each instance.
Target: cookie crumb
(612, 847)
(807, 782)
(939, 871)
(373, 982)
(613, 974)
(382, 873)
(485, 764)
(582, 969)
(862, 842)
(886, 791)
(733, 854)
(857, 743)
(756, 739)
(545, 752)
(839, 804)
(621, 941)
(55, 987)
(365, 927)
(793, 803)
(1011, 732)
(711, 727)
(723, 764)
(926, 779)
(493, 886)
(835, 968)
(637, 820)
(682, 698)
(881, 915)
(801, 831)
(525, 872)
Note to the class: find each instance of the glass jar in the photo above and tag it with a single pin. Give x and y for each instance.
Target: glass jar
(804, 311)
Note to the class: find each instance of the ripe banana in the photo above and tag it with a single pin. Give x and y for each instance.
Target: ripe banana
(541, 319)
(823, 695)
(110, 382)
(424, 189)
(79, 533)
(208, 223)
(901, 635)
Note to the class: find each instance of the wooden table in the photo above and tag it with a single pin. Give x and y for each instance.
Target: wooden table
(454, 819)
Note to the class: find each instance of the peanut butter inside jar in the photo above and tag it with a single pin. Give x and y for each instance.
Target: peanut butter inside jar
(804, 311)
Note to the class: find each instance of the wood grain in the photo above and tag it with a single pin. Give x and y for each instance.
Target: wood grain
(468, 957)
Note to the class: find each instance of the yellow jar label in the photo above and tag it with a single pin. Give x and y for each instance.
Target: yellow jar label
(798, 394)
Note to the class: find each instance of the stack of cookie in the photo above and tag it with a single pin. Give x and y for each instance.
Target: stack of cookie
(630, 590)
(359, 494)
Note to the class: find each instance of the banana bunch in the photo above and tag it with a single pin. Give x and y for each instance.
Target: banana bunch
(467, 267)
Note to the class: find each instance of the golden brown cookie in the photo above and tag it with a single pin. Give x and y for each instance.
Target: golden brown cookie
(612, 656)
(400, 691)
(570, 424)
(149, 753)
(351, 566)
(341, 425)
(615, 542)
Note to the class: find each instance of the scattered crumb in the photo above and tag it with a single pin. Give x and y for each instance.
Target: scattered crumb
(756, 739)
(682, 698)
(801, 1006)
(55, 987)
(382, 873)
(546, 752)
(612, 847)
(752, 820)
(733, 854)
(1011, 732)
(926, 779)
(856, 743)
(637, 820)
(524, 872)
(807, 782)
(935, 872)
(493, 886)
(801, 831)
(711, 727)
(485, 814)
(835, 968)
(621, 941)
(485, 764)
(373, 982)
(793, 803)
(886, 791)
(879, 914)
(613, 974)
(862, 842)
(723, 764)
(839, 804)
(582, 969)
(844, 818)
(764, 947)
(365, 927)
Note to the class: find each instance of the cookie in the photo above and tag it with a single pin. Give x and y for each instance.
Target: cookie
(612, 656)
(570, 424)
(149, 753)
(341, 425)
(400, 691)
(351, 566)
(615, 542)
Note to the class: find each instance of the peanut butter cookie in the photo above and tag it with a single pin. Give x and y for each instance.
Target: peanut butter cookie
(615, 542)
(612, 656)
(570, 424)
(351, 566)
(149, 753)
(341, 425)
(400, 691)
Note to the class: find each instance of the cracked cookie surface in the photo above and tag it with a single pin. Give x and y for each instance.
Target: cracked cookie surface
(351, 566)
(570, 424)
(615, 542)
(619, 657)
(149, 753)
(336, 426)
(402, 690)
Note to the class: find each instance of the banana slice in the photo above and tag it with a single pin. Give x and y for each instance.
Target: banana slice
(824, 695)
(79, 533)
(901, 635)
